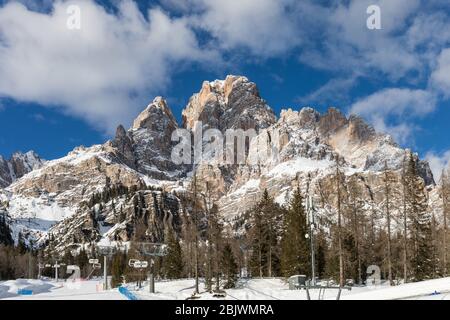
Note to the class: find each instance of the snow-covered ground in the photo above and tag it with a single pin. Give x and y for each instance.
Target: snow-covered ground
(51, 290)
(255, 289)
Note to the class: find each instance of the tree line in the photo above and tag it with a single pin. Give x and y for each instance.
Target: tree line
(353, 223)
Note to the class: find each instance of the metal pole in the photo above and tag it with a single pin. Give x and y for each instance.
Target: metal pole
(105, 272)
(56, 271)
(151, 278)
(311, 232)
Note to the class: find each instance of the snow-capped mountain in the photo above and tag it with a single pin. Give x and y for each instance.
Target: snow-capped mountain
(17, 166)
(91, 195)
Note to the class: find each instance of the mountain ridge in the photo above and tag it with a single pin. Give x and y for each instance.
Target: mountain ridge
(304, 145)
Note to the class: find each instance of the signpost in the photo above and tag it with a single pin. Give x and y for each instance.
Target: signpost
(138, 264)
(151, 250)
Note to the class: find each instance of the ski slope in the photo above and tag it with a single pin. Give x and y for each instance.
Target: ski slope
(252, 289)
(51, 290)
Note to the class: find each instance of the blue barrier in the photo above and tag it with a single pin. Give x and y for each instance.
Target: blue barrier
(127, 293)
(25, 292)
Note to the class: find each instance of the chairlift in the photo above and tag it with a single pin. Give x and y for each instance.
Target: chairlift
(152, 249)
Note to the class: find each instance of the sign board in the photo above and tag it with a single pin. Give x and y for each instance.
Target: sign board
(131, 262)
(96, 265)
(48, 265)
(140, 264)
(93, 261)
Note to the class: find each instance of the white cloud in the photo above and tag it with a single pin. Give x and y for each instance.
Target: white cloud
(438, 162)
(103, 73)
(440, 77)
(346, 44)
(107, 71)
(398, 105)
(334, 92)
(265, 27)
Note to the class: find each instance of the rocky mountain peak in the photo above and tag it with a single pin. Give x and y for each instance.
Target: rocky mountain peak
(305, 118)
(228, 104)
(147, 146)
(331, 121)
(17, 166)
(155, 117)
(359, 129)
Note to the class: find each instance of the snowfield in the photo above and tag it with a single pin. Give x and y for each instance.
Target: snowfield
(50, 290)
(254, 289)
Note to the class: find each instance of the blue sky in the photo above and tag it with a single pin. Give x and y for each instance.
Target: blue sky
(60, 88)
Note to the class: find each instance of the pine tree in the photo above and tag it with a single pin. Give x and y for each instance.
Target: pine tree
(173, 262)
(21, 244)
(445, 195)
(405, 181)
(294, 244)
(355, 207)
(322, 249)
(422, 262)
(229, 267)
(258, 245)
(82, 261)
(388, 179)
(339, 224)
(118, 266)
(264, 236)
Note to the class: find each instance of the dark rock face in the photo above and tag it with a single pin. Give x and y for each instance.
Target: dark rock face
(331, 121)
(123, 142)
(151, 133)
(5, 174)
(144, 215)
(360, 130)
(19, 165)
(426, 173)
(5, 232)
(147, 146)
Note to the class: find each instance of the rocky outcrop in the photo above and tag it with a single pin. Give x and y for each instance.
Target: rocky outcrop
(17, 166)
(144, 214)
(233, 103)
(147, 146)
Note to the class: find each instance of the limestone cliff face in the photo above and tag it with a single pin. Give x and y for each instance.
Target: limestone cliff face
(117, 221)
(300, 149)
(233, 103)
(19, 165)
(147, 146)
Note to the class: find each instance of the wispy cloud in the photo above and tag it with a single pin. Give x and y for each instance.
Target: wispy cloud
(393, 110)
(39, 117)
(440, 78)
(438, 162)
(335, 91)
